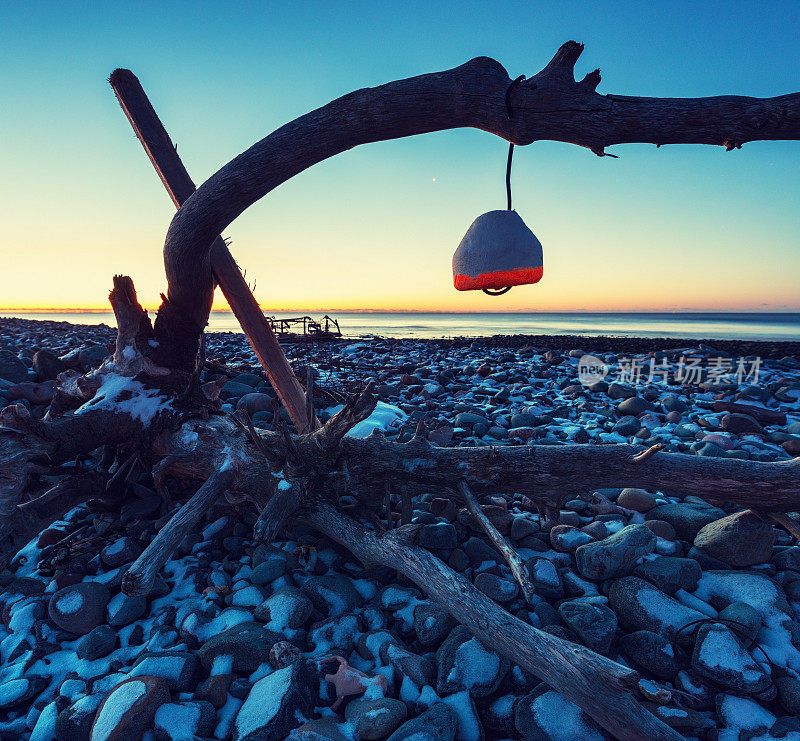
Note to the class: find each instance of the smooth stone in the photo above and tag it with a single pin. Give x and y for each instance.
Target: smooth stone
(12, 368)
(129, 709)
(708, 450)
(496, 587)
(688, 518)
(234, 390)
(119, 552)
(20, 691)
(91, 355)
(79, 608)
(721, 441)
(743, 715)
(440, 535)
(179, 721)
(742, 539)
(438, 723)
(122, 610)
(635, 406)
(247, 643)
(97, 643)
(740, 423)
(627, 426)
(641, 606)
(326, 728)
(596, 624)
(670, 573)
(652, 652)
(545, 577)
(789, 693)
(661, 528)
(544, 714)
(254, 402)
(621, 391)
(566, 538)
(719, 656)
(615, 555)
(179, 669)
(479, 551)
(375, 719)
(272, 567)
(277, 703)
(333, 594)
(74, 722)
(214, 689)
(521, 527)
(746, 616)
(526, 419)
(287, 607)
(637, 500)
(674, 403)
(788, 558)
(432, 624)
(463, 663)
(47, 365)
(469, 419)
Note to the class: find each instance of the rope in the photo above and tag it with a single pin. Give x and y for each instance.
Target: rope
(510, 110)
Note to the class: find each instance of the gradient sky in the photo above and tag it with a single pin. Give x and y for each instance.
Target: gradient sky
(681, 227)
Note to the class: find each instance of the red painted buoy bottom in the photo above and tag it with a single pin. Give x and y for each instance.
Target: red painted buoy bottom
(498, 279)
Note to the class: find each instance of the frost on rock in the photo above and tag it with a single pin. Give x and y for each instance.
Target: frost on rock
(116, 705)
(474, 665)
(556, 718)
(125, 395)
(742, 714)
(70, 602)
(778, 635)
(384, 417)
(263, 703)
(720, 657)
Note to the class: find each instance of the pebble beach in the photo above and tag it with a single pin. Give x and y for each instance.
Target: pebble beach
(297, 639)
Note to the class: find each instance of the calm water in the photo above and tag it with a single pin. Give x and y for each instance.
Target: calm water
(696, 326)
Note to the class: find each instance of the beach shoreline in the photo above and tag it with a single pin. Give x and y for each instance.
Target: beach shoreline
(558, 342)
(598, 568)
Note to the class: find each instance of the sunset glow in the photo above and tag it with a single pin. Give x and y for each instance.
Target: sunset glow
(676, 228)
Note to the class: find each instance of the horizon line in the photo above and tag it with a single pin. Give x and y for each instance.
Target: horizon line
(682, 310)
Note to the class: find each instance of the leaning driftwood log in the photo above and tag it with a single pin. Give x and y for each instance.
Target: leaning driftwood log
(179, 185)
(146, 403)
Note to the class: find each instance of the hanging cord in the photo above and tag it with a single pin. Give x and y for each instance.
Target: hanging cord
(510, 144)
(514, 83)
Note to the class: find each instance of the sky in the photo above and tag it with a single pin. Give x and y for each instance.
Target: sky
(676, 228)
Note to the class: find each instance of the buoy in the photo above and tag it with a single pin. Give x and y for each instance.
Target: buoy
(497, 252)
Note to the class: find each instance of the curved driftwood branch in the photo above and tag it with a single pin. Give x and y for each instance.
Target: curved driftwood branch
(550, 105)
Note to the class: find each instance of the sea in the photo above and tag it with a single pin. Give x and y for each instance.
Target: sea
(708, 325)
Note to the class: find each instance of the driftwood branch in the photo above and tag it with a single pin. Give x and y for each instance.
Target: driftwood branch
(548, 474)
(600, 686)
(164, 156)
(549, 105)
(141, 576)
(283, 504)
(512, 558)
